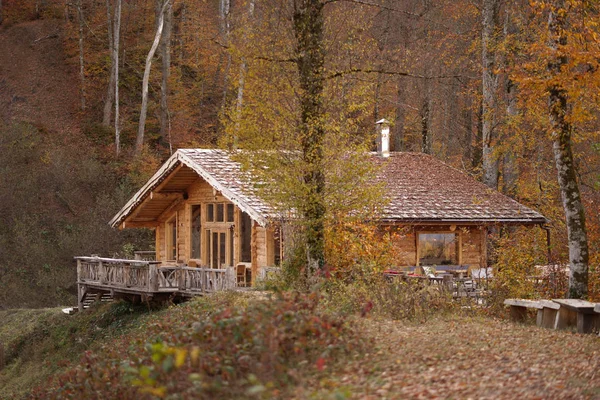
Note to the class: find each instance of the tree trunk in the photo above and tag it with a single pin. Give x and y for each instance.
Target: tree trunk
(81, 64)
(476, 148)
(400, 115)
(139, 142)
(490, 12)
(509, 164)
(308, 30)
(1, 14)
(563, 157)
(241, 84)
(117, 33)
(225, 8)
(165, 53)
(426, 139)
(110, 90)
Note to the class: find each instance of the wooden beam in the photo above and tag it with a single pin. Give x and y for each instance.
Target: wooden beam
(166, 196)
(165, 213)
(138, 224)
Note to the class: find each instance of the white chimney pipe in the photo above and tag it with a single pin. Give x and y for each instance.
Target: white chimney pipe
(383, 141)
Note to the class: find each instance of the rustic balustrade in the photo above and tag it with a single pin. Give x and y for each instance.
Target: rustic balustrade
(147, 277)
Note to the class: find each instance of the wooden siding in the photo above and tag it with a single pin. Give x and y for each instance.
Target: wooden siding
(201, 193)
(471, 243)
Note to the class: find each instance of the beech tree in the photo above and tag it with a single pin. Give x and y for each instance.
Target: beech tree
(117, 36)
(490, 12)
(310, 59)
(139, 142)
(110, 90)
(561, 131)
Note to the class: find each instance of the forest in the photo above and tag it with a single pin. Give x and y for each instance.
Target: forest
(96, 94)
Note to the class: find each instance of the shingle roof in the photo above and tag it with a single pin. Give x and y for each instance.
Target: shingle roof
(420, 189)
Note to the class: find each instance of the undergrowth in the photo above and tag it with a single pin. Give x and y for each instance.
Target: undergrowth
(39, 343)
(388, 298)
(223, 346)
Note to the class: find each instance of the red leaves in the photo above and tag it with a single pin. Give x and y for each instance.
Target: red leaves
(320, 364)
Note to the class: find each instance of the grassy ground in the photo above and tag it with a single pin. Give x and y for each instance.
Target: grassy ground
(39, 343)
(466, 357)
(450, 357)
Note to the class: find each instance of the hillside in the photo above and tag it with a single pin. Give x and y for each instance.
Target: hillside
(241, 346)
(36, 83)
(58, 188)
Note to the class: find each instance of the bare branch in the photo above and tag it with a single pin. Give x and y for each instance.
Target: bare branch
(386, 72)
(381, 6)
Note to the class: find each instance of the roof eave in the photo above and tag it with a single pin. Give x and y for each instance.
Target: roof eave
(503, 221)
(162, 173)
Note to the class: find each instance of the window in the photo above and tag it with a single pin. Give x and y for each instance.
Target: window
(277, 246)
(246, 237)
(220, 213)
(438, 248)
(210, 212)
(171, 239)
(216, 243)
(196, 232)
(229, 212)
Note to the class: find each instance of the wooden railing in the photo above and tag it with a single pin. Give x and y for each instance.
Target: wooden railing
(118, 273)
(196, 280)
(148, 277)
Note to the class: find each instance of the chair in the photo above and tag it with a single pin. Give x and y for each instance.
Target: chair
(192, 264)
(241, 274)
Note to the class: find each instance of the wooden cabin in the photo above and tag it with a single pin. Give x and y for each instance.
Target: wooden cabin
(206, 214)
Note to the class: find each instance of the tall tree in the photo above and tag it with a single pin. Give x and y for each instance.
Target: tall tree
(165, 54)
(490, 12)
(110, 90)
(117, 36)
(242, 80)
(310, 59)
(561, 130)
(81, 58)
(139, 142)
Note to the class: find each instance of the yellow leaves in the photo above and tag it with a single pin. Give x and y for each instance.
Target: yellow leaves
(195, 355)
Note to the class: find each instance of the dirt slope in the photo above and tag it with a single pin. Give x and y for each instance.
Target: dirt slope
(36, 83)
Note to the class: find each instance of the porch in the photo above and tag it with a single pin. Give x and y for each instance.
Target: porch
(146, 280)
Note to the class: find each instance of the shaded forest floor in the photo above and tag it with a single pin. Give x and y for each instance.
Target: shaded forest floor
(37, 85)
(452, 356)
(469, 357)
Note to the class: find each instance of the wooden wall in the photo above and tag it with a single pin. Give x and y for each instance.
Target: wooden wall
(472, 243)
(201, 192)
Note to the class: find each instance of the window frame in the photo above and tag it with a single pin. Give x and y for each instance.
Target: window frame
(171, 239)
(456, 232)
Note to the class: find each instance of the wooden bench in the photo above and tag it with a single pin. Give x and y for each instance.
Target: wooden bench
(579, 313)
(546, 317)
(518, 308)
(546, 311)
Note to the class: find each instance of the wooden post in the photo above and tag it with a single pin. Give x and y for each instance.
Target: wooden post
(152, 278)
(78, 270)
(101, 272)
(180, 279)
(81, 289)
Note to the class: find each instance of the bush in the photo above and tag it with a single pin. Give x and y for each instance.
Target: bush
(397, 299)
(198, 351)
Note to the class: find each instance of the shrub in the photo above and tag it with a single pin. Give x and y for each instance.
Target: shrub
(394, 298)
(197, 351)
